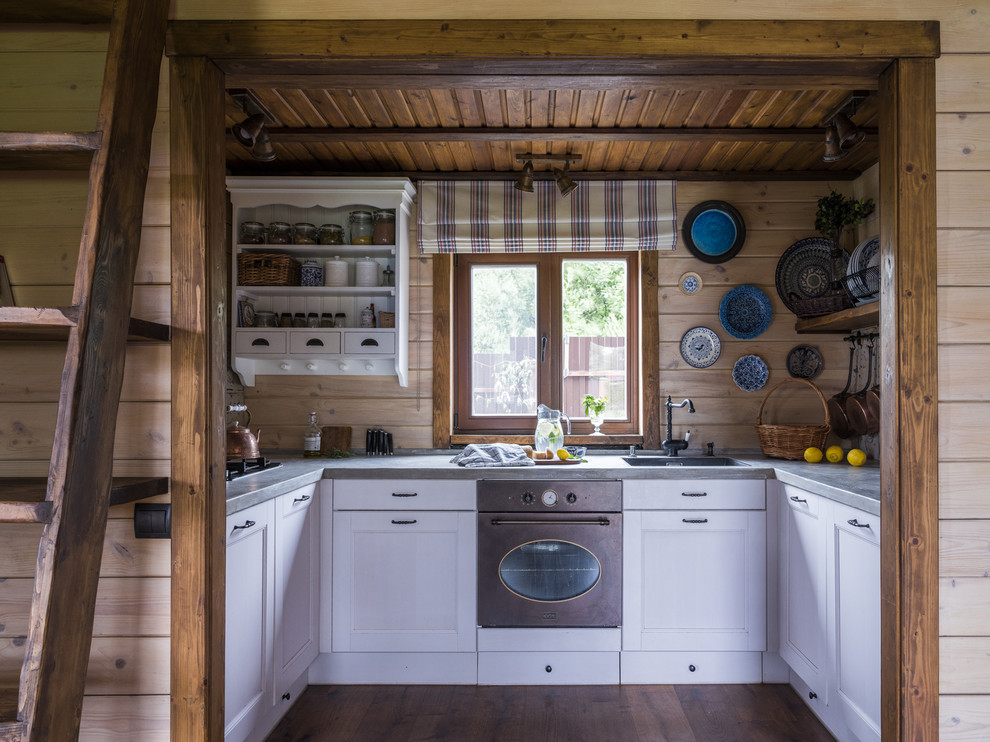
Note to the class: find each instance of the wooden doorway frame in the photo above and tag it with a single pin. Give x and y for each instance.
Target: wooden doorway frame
(900, 55)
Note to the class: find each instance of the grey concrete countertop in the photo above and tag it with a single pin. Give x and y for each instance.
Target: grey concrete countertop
(858, 487)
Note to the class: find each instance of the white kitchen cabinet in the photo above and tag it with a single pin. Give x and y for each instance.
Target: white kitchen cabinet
(297, 581)
(347, 350)
(249, 625)
(802, 574)
(854, 548)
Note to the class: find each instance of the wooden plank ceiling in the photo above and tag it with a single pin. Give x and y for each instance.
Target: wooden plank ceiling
(621, 125)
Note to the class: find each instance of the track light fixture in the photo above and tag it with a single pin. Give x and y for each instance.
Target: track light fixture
(833, 148)
(251, 131)
(841, 134)
(525, 180)
(564, 182)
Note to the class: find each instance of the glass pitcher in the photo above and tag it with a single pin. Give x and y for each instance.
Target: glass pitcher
(549, 433)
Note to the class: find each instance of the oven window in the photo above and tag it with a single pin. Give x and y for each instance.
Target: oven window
(550, 571)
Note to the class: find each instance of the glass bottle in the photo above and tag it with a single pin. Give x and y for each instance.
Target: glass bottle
(304, 234)
(252, 233)
(279, 233)
(311, 438)
(360, 223)
(331, 234)
(383, 232)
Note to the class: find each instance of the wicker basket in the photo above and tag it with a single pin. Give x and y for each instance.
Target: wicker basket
(816, 306)
(386, 319)
(267, 269)
(790, 441)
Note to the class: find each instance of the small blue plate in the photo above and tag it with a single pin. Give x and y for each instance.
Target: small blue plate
(745, 312)
(714, 231)
(700, 347)
(750, 373)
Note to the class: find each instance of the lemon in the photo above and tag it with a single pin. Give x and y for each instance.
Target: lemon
(563, 454)
(834, 454)
(856, 457)
(813, 455)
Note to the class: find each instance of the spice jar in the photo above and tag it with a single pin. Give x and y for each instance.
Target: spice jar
(265, 319)
(366, 272)
(388, 277)
(252, 233)
(279, 233)
(305, 234)
(360, 223)
(326, 320)
(331, 234)
(383, 232)
(312, 320)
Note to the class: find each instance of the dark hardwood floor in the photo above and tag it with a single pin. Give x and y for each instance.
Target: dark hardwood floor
(588, 713)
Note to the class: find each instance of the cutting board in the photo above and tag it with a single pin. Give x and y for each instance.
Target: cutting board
(335, 436)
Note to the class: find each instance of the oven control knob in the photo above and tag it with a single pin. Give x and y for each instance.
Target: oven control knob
(571, 498)
(527, 497)
(549, 498)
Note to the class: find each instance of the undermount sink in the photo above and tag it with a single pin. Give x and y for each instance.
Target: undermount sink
(681, 461)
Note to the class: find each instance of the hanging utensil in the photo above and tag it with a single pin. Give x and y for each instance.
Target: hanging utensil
(870, 420)
(836, 406)
(861, 422)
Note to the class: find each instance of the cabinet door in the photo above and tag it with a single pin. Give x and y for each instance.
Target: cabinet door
(694, 580)
(249, 619)
(297, 562)
(802, 570)
(404, 581)
(855, 568)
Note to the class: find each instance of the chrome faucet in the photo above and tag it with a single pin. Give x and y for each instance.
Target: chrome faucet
(671, 445)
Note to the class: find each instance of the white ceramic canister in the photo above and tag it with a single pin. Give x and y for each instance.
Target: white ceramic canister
(366, 272)
(335, 272)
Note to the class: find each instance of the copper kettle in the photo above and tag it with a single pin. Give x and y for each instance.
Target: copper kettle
(241, 442)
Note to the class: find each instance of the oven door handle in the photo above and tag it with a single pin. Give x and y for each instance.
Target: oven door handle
(550, 522)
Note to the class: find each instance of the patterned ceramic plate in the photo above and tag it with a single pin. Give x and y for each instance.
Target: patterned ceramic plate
(804, 271)
(689, 283)
(745, 312)
(804, 362)
(750, 373)
(700, 347)
(866, 255)
(714, 231)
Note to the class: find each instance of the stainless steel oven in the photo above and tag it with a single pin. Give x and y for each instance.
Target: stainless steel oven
(549, 553)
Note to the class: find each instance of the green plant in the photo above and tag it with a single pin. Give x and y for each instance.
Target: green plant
(836, 212)
(594, 405)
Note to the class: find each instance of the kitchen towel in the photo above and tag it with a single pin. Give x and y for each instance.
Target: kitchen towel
(476, 455)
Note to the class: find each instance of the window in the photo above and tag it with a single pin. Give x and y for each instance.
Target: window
(545, 328)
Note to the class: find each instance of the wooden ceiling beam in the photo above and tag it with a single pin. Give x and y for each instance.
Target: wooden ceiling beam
(522, 134)
(591, 39)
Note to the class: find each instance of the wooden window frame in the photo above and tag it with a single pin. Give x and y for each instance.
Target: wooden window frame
(549, 321)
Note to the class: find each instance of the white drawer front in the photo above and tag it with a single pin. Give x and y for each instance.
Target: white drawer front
(691, 667)
(548, 668)
(256, 342)
(403, 494)
(314, 342)
(380, 342)
(694, 494)
(801, 500)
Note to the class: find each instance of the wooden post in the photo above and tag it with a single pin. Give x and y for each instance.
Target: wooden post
(199, 361)
(443, 269)
(909, 411)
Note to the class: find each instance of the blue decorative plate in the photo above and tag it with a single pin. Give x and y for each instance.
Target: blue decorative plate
(804, 362)
(700, 347)
(866, 255)
(689, 283)
(745, 312)
(750, 373)
(714, 231)
(804, 271)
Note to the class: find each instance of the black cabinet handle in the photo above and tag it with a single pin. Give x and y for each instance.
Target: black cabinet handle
(304, 498)
(795, 498)
(315, 342)
(260, 341)
(403, 522)
(369, 341)
(247, 524)
(694, 494)
(405, 494)
(694, 520)
(856, 523)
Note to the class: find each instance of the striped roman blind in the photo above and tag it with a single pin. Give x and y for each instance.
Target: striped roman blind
(493, 216)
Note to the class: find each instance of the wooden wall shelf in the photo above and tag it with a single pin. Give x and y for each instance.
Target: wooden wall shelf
(856, 318)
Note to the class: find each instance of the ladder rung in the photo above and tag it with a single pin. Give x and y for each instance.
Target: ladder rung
(62, 13)
(31, 491)
(25, 512)
(47, 150)
(53, 323)
(12, 731)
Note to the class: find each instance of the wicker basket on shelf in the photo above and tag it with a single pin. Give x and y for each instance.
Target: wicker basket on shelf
(790, 441)
(816, 306)
(267, 269)
(386, 319)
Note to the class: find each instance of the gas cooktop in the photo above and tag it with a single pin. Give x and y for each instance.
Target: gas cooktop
(237, 468)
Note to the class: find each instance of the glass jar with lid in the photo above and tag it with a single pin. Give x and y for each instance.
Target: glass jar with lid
(360, 224)
(331, 234)
(252, 233)
(304, 234)
(279, 233)
(383, 231)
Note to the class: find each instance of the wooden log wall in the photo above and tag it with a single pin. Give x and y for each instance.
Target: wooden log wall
(51, 81)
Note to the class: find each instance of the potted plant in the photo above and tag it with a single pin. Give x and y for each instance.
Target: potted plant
(594, 408)
(836, 212)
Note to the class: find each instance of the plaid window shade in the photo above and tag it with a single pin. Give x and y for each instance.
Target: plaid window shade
(492, 216)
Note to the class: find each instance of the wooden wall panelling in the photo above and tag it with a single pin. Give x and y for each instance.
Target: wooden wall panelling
(199, 360)
(962, 257)
(963, 489)
(963, 718)
(961, 674)
(125, 718)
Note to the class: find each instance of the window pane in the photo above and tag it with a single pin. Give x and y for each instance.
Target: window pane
(503, 340)
(595, 309)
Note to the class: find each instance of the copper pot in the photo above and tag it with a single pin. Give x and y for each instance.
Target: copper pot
(241, 442)
(836, 405)
(863, 418)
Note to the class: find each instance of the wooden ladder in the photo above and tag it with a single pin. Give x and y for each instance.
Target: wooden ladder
(73, 504)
